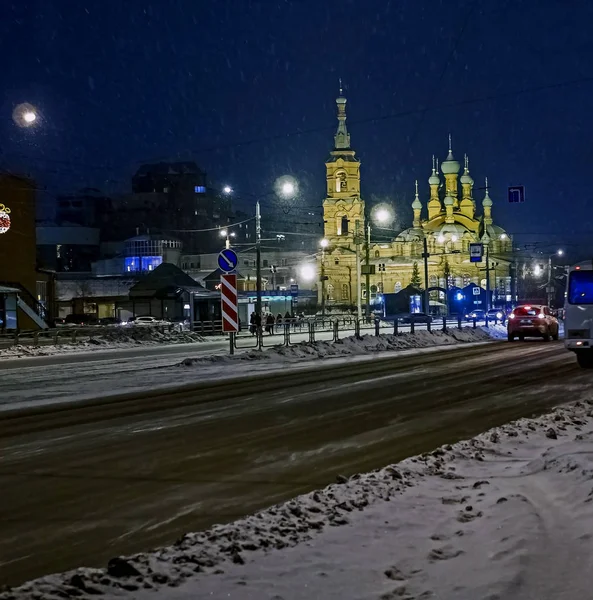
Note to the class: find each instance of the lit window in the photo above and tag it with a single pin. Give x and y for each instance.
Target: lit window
(200, 189)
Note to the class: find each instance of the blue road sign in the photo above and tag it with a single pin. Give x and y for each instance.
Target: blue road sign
(517, 194)
(294, 289)
(227, 260)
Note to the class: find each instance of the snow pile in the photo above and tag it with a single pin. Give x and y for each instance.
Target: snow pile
(349, 346)
(507, 514)
(105, 339)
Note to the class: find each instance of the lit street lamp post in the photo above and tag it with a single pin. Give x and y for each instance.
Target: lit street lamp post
(324, 244)
(550, 288)
(381, 215)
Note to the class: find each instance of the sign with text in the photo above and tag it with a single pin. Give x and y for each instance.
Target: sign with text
(476, 251)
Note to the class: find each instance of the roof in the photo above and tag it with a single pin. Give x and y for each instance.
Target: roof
(8, 290)
(166, 275)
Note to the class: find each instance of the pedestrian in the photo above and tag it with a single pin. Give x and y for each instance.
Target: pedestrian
(253, 323)
(278, 321)
(270, 324)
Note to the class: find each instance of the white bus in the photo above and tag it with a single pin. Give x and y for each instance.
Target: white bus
(578, 313)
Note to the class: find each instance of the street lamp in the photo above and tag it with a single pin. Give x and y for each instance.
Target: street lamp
(227, 189)
(308, 272)
(382, 216)
(285, 187)
(225, 234)
(549, 287)
(324, 243)
(25, 115)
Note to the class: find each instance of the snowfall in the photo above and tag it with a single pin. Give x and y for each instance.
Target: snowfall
(506, 515)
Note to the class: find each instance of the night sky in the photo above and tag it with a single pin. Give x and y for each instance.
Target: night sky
(247, 89)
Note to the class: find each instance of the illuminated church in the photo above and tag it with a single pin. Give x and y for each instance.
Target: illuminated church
(449, 218)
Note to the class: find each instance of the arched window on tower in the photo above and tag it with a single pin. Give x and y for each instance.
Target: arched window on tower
(341, 184)
(343, 226)
(377, 254)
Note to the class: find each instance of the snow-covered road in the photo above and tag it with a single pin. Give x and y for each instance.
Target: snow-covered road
(42, 380)
(82, 483)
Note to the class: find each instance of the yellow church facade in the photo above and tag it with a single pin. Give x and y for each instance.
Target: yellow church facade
(447, 222)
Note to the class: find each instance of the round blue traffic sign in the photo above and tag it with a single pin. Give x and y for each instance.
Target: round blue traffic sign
(227, 260)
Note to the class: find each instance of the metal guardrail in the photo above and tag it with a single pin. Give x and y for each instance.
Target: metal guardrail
(356, 327)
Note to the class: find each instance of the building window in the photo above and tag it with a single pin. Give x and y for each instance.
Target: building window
(343, 230)
(483, 283)
(245, 263)
(330, 292)
(466, 280)
(345, 292)
(377, 254)
(282, 262)
(397, 287)
(266, 263)
(341, 184)
(200, 189)
(433, 281)
(380, 287)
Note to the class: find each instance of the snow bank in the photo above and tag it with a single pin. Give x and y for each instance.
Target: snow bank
(508, 514)
(349, 346)
(105, 339)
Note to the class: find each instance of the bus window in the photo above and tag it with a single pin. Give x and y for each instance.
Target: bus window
(580, 287)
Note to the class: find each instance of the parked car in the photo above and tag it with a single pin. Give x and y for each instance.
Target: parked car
(82, 319)
(109, 321)
(496, 314)
(145, 321)
(476, 315)
(416, 317)
(531, 320)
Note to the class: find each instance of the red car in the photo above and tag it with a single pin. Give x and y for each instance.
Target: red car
(532, 321)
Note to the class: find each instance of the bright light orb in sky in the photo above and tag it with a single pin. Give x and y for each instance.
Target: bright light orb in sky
(25, 115)
(308, 273)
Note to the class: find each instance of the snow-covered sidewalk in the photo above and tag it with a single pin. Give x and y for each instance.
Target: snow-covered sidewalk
(104, 339)
(506, 515)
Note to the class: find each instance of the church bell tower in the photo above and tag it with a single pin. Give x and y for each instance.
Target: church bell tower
(343, 209)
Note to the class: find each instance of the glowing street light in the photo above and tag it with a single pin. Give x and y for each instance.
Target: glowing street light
(382, 215)
(227, 189)
(286, 187)
(308, 273)
(560, 252)
(324, 243)
(25, 115)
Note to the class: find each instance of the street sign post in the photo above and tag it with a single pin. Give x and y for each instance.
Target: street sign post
(294, 289)
(517, 194)
(227, 260)
(476, 251)
(229, 302)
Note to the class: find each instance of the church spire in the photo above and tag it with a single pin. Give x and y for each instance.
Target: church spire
(342, 137)
(417, 207)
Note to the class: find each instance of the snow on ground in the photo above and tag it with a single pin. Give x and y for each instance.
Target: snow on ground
(105, 339)
(348, 346)
(506, 515)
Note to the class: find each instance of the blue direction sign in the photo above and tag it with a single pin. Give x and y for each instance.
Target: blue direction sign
(227, 260)
(294, 289)
(517, 194)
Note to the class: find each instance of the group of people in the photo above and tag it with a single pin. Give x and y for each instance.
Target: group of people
(270, 322)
